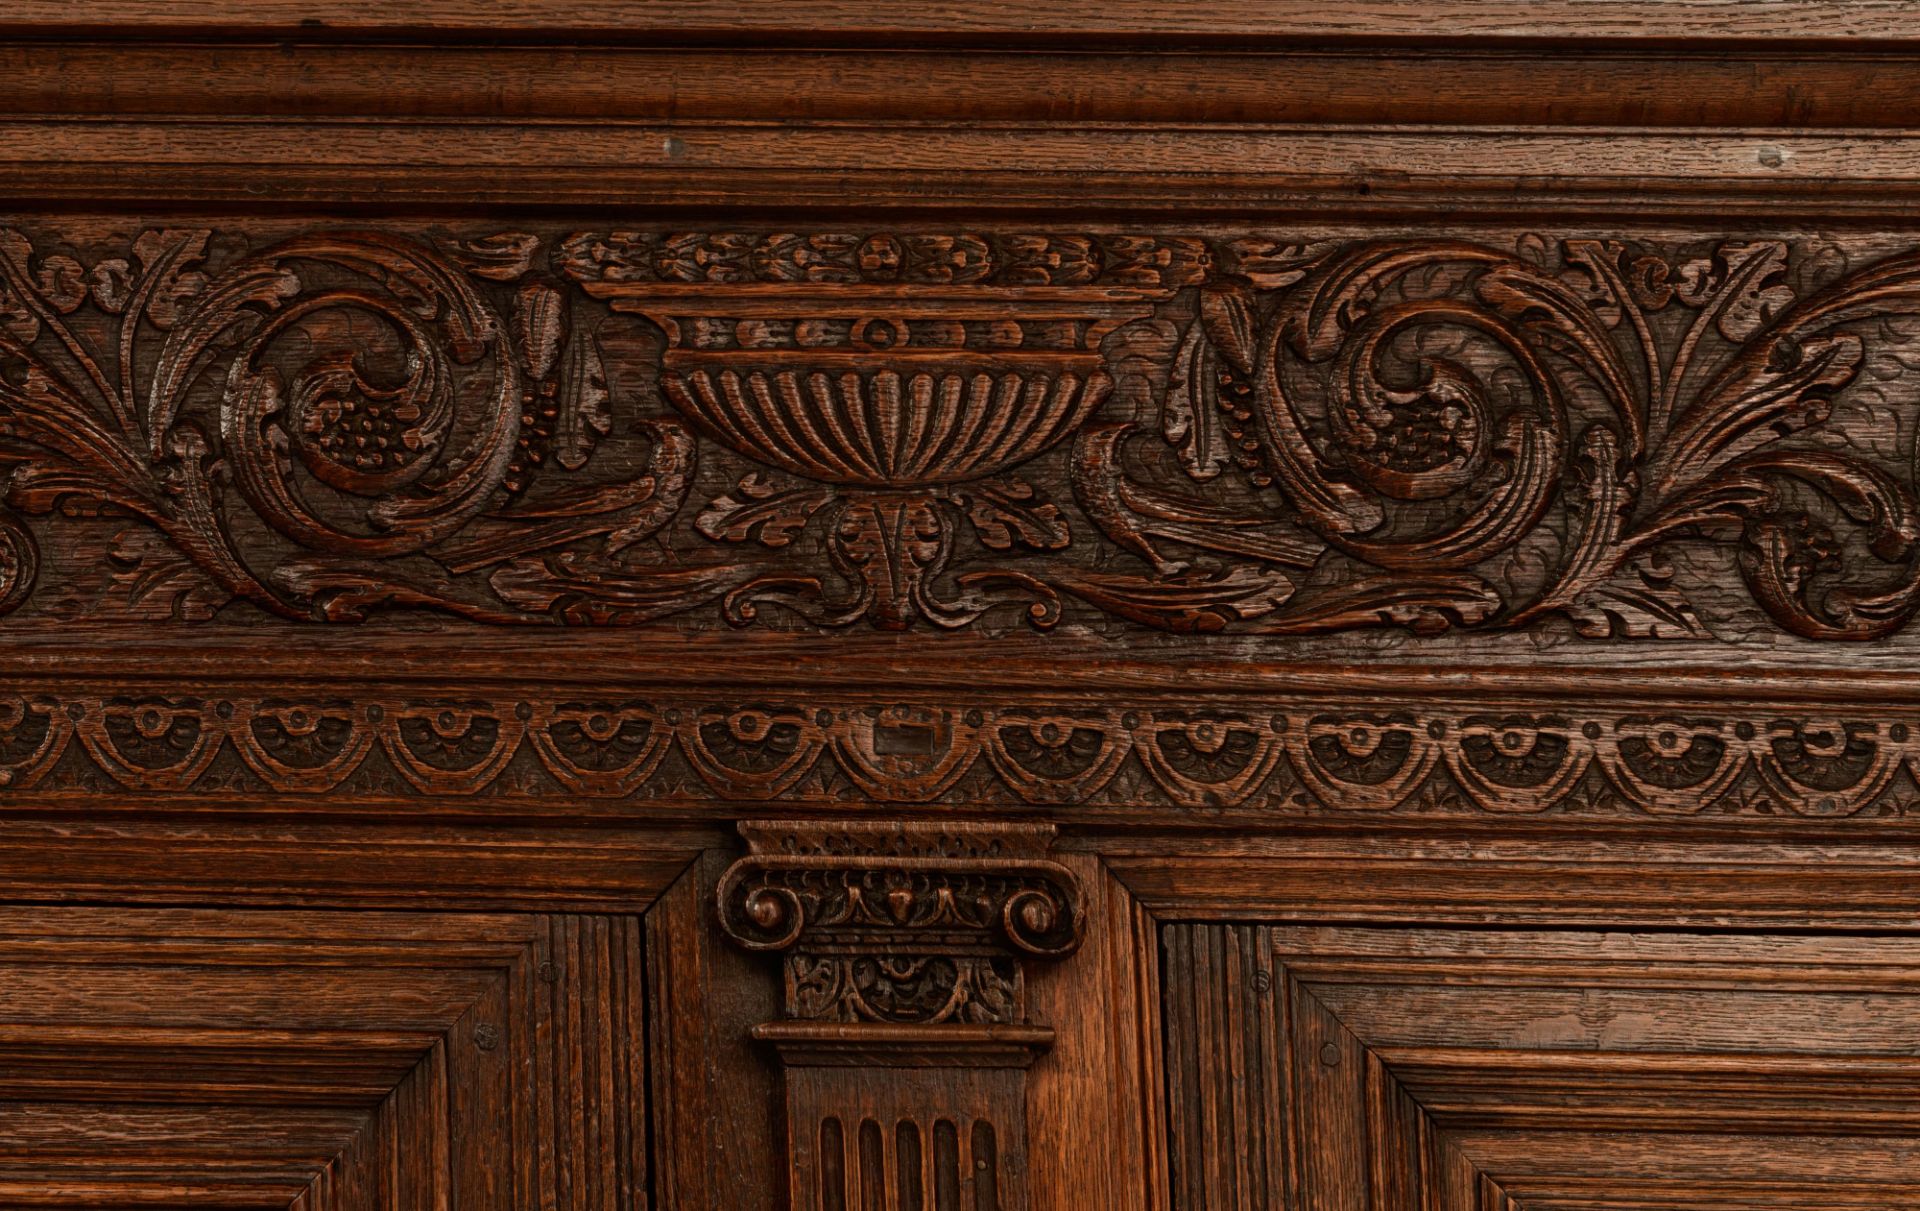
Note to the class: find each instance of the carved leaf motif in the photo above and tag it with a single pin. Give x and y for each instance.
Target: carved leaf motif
(1649, 606)
(613, 256)
(1009, 511)
(587, 593)
(1268, 263)
(1226, 313)
(155, 580)
(1741, 283)
(804, 258)
(584, 414)
(1187, 604)
(1592, 267)
(540, 319)
(1423, 605)
(1052, 260)
(168, 278)
(441, 322)
(111, 284)
(245, 295)
(761, 512)
(1155, 260)
(62, 283)
(1216, 351)
(942, 258)
(701, 257)
(17, 317)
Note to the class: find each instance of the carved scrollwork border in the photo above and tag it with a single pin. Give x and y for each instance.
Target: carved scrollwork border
(1277, 436)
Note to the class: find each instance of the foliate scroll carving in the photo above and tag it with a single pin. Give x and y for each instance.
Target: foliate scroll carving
(1573, 435)
(902, 949)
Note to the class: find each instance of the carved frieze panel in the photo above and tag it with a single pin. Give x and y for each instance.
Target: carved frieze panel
(1573, 436)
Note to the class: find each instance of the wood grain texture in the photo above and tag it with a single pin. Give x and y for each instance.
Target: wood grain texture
(1409, 876)
(717, 1128)
(1116, 1156)
(1574, 85)
(217, 163)
(1635, 20)
(1315, 603)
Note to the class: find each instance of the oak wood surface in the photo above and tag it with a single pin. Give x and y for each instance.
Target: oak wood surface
(917, 607)
(1651, 20)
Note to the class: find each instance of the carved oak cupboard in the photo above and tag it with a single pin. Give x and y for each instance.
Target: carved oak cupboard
(1199, 607)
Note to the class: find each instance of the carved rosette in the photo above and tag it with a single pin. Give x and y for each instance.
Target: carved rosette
(902, 948)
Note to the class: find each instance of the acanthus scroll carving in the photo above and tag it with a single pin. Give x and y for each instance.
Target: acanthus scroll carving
(1586, 436)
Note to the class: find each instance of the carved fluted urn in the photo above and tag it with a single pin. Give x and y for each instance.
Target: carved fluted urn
(898, 395)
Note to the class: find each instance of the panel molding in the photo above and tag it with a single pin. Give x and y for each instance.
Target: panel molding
(326, 1062)
(1475, 1070)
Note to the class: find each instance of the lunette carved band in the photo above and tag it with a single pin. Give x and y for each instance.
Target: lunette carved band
(1285, 757)
(1264, 436)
